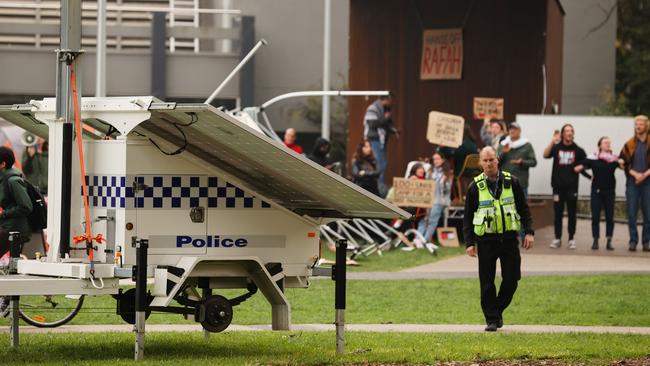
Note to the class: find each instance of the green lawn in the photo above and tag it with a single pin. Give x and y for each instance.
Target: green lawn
(617, 300)
(281, 348)
(396, 259)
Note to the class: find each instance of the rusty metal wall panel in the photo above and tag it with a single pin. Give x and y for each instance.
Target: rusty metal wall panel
(504, 49)
(554, 54)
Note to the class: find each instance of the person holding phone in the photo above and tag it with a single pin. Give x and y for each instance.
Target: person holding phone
(564, 180)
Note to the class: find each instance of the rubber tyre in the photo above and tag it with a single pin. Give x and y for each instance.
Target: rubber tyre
(44, 324)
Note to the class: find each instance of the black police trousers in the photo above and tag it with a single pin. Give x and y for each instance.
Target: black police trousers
(507, 251)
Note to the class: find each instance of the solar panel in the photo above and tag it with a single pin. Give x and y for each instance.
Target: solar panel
(267, 166)
(21, 116)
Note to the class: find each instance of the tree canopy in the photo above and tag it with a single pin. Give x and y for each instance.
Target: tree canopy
(633, 54)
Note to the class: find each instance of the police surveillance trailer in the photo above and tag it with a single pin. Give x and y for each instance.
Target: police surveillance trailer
(186, 197)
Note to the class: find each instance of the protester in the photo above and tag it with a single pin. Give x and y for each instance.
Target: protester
(320, 153)
(15, 204)
(495, 209)
(564, 180)
(364, 168)
(517, 156)
(377, 128)
(603, 164)
(35, 159)
(493, 132)
(635, 159)
(469, 146)
(442, 175)
(417, 171)
(417, 213)
(290, 141)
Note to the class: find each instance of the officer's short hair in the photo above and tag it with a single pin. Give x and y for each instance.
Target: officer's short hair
(7, 156)
(489, 147)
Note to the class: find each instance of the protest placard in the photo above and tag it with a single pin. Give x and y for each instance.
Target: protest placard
(442, 54)
(445, 129)
(413, 192)
(488, 108)
(448, 237)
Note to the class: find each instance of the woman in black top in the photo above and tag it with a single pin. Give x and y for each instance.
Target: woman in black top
(364, 168)
(603, 164)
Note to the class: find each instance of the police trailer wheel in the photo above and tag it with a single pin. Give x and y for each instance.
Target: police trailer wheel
(126, 306)
(218, 314)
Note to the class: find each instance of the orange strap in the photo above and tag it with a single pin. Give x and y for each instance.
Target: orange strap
(81, 238)
(87, 237)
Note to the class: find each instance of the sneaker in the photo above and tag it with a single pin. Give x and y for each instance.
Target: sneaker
(418, 243)
(609, 244)
(572, 244)
(556, 243)
(632, 248)
(594, 246)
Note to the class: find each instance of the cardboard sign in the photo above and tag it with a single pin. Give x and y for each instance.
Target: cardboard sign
(448, 237)
(413, 192)
(445, 129)
(488, 108)
(442, 54)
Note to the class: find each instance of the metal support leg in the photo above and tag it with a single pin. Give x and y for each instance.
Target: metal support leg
(142, 246)
(339, 277)
(280, 317)
(15, 320)
(207, 292)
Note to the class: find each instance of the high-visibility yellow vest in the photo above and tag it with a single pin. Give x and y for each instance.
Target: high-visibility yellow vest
(495, 216)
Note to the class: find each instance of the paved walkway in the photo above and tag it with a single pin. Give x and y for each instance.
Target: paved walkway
(375, 328)
(539, 261)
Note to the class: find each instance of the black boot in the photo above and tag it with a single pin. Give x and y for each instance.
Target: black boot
(594, 246)
(609, 243)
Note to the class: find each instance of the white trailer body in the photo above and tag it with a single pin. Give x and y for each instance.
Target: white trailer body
(221, 205)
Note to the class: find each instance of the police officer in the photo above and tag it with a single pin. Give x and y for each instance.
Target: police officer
(495, 209)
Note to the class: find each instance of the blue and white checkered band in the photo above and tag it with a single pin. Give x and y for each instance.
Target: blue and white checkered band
(167, 192)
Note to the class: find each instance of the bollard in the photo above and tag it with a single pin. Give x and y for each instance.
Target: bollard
(339, 277)
(141, 250)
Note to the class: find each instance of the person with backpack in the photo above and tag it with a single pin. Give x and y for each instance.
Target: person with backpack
(15, 201)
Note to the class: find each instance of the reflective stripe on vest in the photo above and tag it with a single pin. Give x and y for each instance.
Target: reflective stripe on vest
(495, 216)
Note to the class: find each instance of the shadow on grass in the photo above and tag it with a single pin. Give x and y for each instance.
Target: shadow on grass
(239, 348)
(159, 347)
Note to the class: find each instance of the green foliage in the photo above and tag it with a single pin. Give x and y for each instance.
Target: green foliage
(612, 104)
(396, 259)
(633, 54)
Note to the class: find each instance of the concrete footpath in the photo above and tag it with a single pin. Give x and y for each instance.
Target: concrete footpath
(374, 328)
(540, 260)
